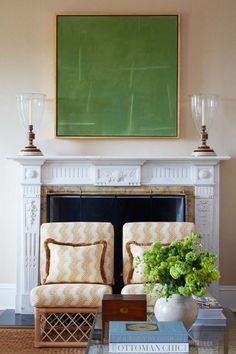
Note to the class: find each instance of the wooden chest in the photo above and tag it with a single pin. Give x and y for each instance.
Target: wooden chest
(118, 307)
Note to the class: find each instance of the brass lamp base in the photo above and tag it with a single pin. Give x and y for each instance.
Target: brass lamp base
(203, 149)
(30, 151)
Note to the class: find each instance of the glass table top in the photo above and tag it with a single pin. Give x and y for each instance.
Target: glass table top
(202, 339)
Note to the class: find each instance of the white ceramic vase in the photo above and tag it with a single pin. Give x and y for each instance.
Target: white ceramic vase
(177, 308)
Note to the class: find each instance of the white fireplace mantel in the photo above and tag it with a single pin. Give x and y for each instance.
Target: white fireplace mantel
(200, 172)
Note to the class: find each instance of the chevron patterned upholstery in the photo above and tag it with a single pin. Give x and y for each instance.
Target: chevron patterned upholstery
(146, 233)
(71, 305)
(69, 295)
(78, 232)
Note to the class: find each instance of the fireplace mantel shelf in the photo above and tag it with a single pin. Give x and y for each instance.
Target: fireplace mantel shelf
(24, 160)
(94, 172)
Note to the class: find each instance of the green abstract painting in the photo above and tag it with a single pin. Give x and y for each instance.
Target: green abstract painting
(117, 75)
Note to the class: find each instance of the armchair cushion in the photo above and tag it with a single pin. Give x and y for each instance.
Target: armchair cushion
(137, 289)
(75, 262)
(69, 295)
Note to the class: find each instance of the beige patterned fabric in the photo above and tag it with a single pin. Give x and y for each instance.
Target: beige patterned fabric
(75, 263)
(146, 232)
(79, 232)
(136, 289)
(134, 250)
(69, 295)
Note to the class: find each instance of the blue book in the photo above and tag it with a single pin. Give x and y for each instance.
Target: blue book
(147, 332)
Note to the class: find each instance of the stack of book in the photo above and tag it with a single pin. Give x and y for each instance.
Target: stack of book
(148, 337)
(210, 312)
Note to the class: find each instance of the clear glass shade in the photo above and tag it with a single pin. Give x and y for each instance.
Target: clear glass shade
(30, 107)
(203, 108)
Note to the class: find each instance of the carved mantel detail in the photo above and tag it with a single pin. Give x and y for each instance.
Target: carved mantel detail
(31, 212)
(117, 176)
(202, 173)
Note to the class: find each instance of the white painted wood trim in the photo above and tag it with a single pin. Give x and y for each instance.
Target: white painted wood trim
(199, 172)
(39, 160)
(7, 296)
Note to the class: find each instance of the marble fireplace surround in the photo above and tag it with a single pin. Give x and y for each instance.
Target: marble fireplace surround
(197, 177)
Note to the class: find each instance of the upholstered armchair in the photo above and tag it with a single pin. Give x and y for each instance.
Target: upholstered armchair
(137, 237)
(76, 270)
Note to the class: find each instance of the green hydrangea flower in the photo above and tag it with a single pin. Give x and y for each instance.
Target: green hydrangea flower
(183, 267)
(191, 256)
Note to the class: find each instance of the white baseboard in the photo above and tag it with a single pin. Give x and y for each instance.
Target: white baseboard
(228, 296)
(7, 296)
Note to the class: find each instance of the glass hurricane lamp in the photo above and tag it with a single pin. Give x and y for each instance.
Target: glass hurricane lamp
(203, 108)
(30, 107)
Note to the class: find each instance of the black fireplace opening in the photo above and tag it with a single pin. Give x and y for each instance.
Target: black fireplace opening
(116, 209)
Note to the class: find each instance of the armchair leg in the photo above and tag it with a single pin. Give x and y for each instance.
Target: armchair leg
(37, 329)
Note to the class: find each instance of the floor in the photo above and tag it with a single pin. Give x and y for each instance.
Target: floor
(9, 319)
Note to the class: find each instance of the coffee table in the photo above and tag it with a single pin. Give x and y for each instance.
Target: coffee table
(202, 339)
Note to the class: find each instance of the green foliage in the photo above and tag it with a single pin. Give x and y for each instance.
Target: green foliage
(183, 267)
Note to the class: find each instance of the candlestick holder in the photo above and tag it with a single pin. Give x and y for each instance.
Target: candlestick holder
(30, 149)
(203, 149)
(203, 110)
(30, 108)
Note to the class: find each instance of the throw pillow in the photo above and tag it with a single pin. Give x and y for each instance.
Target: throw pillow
(135, 249)
(75, 263)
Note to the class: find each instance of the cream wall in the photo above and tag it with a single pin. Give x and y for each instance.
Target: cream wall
(27, 63)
